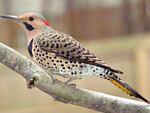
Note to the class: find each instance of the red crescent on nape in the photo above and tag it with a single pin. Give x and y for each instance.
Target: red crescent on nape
(46, 22)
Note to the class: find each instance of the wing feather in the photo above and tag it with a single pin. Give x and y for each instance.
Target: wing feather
(67, 47)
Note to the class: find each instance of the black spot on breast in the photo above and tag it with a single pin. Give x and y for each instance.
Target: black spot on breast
(68, 67)
(54, 36)
(75, 72)
(57, 45)
(79, 52)
(30, 48)
(66, 62)
(81, 66)
(62, 52)
(65, 45)
(69, 44)
(52, 45)
(47, 45)
(43, 42)
(63, 68)
(80, 72)
(37, 58)
(67, 55)
(54, 64)
(73, 50)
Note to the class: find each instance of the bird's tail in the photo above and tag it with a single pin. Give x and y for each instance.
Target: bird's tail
(126, 88)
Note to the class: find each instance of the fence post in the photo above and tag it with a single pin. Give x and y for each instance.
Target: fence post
(142, 67)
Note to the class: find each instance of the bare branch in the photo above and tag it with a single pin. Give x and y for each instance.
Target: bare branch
(67, 94)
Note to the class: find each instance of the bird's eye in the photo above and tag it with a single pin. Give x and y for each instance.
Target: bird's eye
(31, 18)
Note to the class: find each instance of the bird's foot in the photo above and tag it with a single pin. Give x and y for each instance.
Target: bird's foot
(69, 80)
(54, 80)
(72, 85)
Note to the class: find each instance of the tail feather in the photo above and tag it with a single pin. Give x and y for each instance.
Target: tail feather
(126, 88)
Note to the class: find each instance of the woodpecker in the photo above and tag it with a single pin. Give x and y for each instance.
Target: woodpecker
(61, 54)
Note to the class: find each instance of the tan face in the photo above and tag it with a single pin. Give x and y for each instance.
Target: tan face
(33, 21)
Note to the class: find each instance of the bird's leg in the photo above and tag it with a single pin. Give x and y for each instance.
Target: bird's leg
(69, 80)
(53, 78)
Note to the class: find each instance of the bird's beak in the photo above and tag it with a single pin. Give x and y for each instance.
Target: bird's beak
(11, 17)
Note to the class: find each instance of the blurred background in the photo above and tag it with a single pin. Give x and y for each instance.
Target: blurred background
(117, 31)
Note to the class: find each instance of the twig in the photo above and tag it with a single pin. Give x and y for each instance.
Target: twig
(67, 94)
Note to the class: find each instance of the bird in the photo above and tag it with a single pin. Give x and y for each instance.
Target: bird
(60, 54)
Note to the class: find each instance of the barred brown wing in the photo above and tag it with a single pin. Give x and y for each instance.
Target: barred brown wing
(67, 47)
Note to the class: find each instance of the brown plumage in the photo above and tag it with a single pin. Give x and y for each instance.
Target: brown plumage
(65, 46)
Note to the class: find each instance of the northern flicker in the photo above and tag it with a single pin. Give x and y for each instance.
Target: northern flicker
(61, 54)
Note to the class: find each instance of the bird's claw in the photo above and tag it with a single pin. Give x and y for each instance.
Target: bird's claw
(72, 85)
(53, 81)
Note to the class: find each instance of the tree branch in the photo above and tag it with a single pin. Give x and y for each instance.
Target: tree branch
(67, 94)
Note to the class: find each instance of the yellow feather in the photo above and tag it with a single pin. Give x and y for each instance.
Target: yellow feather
(122, 87)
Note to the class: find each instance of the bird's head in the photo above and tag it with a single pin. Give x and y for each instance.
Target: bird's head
(32, 23)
